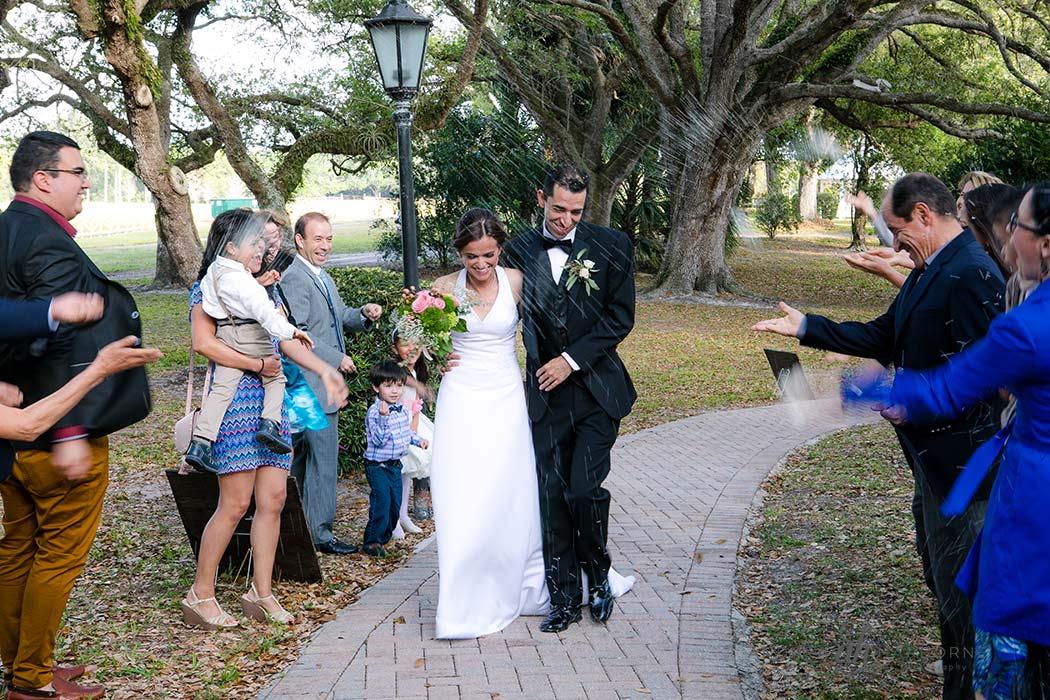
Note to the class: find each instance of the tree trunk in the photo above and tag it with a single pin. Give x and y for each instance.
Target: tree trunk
(863, 166)
(807, 192)
(702, 203)
(601, 193)
(171, 232)
(772, 177)
(140, 83)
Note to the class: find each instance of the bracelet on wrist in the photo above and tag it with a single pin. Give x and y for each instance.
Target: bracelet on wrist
(262, 365)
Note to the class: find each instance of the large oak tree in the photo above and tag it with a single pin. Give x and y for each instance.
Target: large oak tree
(725, 72)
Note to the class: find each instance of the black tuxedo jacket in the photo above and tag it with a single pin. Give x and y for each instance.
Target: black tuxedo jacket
(935, 315)
(38, 259)
(587, 327)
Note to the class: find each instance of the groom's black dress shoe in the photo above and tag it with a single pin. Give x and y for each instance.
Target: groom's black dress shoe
(560, 618)
(602, 603)
(336, 546)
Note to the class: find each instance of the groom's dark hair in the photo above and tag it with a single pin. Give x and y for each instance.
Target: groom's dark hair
(387, 371)
(566, 176)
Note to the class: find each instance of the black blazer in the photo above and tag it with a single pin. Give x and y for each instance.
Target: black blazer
(935, 315)
(594, 324)
(39, 259)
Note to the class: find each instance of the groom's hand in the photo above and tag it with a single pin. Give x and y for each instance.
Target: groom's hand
(553, 373)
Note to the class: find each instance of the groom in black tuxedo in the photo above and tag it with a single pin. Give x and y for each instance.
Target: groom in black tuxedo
(577, 305)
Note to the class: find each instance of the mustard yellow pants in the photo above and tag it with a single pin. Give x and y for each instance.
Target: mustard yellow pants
(49, 525)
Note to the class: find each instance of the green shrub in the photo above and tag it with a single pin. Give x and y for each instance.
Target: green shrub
(827, 204)
(777, 213)
(358, 286)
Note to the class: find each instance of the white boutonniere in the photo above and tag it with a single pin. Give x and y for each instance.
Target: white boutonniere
(581, 269)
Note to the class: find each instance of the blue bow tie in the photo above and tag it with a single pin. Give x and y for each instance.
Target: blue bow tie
(396, 407)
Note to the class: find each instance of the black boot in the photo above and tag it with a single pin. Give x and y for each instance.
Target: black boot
(199, 456)
(560, 617)
(601, 603)
(269, 434)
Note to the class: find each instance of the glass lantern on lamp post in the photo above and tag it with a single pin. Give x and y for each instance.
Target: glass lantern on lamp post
(399, 38)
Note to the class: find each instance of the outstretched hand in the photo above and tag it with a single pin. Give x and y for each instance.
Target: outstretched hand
(862, 203)
(303, 337)
(122, 355)
(335, 388)
(75, 307)
(788, 324)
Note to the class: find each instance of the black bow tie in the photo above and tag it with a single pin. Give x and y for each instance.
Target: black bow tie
(564, 244)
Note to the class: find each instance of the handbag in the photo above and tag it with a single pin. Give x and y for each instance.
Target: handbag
(185, 426)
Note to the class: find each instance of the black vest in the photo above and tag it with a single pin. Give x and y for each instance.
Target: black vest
(551, 305)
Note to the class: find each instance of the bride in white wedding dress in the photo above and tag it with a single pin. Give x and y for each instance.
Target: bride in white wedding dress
(483, 471)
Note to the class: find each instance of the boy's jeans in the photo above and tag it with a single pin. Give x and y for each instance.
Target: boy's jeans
(384, 503)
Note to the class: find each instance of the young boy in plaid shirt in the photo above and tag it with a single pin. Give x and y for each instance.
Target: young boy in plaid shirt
(389, 435)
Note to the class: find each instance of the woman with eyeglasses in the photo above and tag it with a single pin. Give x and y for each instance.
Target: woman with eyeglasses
(1007, 574)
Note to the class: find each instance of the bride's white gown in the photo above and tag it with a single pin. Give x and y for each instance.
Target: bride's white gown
(483, 484)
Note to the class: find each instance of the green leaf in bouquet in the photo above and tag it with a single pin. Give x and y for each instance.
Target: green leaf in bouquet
(431, 316)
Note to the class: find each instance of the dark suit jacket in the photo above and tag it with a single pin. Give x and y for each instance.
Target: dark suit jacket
(934, 316)
(324, 316)
(594, 324)
(38, 259)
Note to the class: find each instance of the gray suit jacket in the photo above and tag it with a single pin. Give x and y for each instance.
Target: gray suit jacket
(325, 321)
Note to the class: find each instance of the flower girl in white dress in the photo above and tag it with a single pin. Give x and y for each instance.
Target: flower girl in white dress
(415, 464)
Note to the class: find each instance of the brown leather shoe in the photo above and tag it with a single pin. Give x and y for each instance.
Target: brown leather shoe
(68, 673)
(77, 691)
(29, 694)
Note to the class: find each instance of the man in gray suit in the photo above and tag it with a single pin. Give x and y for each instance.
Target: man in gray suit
(317, 308)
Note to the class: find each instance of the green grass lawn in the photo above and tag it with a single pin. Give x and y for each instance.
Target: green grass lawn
(138, 251)
(684, 359)
(830, 580)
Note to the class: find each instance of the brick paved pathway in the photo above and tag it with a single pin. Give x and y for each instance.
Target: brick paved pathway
(681, 492)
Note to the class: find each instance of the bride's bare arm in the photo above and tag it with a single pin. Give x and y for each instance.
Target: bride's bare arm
(515, 278)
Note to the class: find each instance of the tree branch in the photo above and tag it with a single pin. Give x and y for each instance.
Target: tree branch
(455, 87)
(90, 100)
(681, 56)
(650, 73)
(906, 101)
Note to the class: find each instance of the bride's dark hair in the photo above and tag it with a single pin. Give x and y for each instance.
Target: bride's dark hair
(474, 225)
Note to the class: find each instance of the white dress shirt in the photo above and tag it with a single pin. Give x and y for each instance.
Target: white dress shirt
(558, 258)
(243, 296)
(310, 266)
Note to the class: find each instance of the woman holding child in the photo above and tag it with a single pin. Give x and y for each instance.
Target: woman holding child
(245, 466)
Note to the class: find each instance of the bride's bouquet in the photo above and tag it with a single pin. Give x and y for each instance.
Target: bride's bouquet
(429, 317)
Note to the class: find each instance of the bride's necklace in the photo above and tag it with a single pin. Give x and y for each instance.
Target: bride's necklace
(488, 293)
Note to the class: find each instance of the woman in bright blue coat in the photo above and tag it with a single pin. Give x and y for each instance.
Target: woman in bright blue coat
(1007, 574)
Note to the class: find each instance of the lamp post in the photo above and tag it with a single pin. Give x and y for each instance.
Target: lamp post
(399, 38)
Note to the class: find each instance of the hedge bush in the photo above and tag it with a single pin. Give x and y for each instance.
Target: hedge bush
(827, 204)
(777, 213)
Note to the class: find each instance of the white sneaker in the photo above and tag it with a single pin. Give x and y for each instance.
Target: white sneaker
(406, 525)
(935, 668)
(398, 533)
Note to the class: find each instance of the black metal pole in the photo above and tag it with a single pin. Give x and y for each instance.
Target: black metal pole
(403, 122)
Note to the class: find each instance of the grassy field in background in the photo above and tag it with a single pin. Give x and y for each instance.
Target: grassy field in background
(125, 252)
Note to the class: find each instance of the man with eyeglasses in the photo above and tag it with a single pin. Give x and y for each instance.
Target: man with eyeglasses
(53, 498)
(944, 305)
